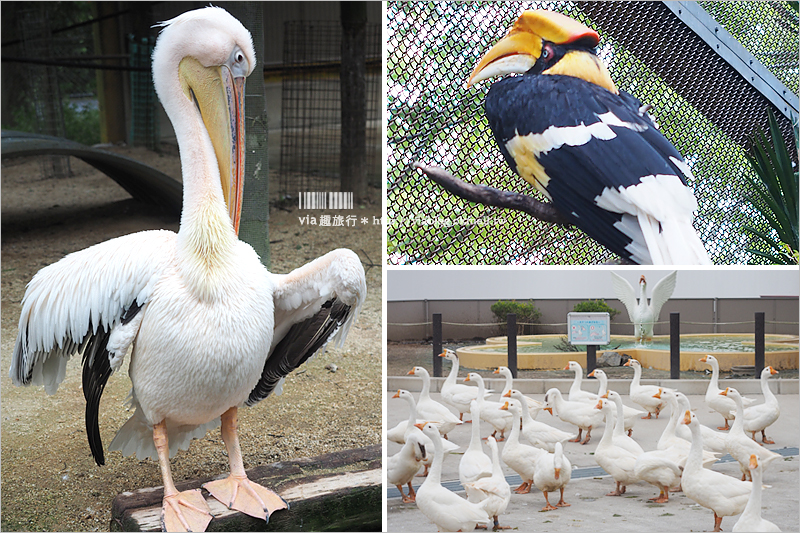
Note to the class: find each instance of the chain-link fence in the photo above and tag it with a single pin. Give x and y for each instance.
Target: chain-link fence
(311, 106)
(702, 104)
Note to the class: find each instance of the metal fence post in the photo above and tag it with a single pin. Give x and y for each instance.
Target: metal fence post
(437, 345)
(759, 343)
(675, 346)
(591, 357)
(511, 322)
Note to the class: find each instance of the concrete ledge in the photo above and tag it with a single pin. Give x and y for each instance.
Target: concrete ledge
(540, 386)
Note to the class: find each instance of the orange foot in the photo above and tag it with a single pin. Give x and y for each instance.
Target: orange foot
(246, 496)
(185, 511)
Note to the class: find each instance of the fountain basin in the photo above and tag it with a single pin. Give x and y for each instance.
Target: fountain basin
(536, 352)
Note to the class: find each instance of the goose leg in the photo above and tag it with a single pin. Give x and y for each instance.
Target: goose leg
(547, 507)
(180, 511)
(726, 427)
(717, 522)
(764, 438)
(561, 502)
(497, 524)
(588, 435)
(411, 494)
(578, 438)
(617, 491)
(236, 491)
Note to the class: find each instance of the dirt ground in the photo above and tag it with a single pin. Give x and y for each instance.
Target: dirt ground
(49, 479)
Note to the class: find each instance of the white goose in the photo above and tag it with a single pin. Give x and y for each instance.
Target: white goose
(580, 414)
(457, 395)
(643, 395)
(576, 394)
(408, 428)
(404, 465)
(617, 461)
(533, 406)
(762, 415)
(713, 441)
(630, 415)
(619, 436)
(641, 314)
(494, 492)
(211, 328)
(537, 433)
(714, 400)
(519, 457)
(725, 495)
(447, 510)
(474, 463)
(553, 472)
(751, 520)
(490, 411)
(431, 410)
(739, 445)
(669, 441)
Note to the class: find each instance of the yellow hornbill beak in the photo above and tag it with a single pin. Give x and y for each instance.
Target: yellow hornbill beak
(519, 50)
(220, 97)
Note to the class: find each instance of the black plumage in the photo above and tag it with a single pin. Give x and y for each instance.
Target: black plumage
(532, 103)
(302, 341)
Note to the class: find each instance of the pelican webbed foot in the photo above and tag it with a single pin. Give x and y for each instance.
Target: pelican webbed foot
(185, 511)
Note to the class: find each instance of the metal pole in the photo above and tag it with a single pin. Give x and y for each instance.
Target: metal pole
(759, 343)
(675, 346)
(591, 357)
(511, 322)
(437, 345)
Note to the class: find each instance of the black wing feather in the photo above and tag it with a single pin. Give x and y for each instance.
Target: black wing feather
(96, 371)
(302, 341)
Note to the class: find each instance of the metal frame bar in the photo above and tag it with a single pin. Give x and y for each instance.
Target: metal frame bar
(736, 55)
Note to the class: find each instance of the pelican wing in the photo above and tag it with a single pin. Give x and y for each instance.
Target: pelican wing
(662, 292)
(314, 304)
(88, 301)
(625, 293)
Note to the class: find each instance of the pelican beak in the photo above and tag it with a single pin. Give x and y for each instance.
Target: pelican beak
(396, 394)
(557, 472)
(507, 395)
(220, 98)
(519, 50)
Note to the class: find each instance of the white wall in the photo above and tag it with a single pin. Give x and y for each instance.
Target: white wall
(470, 283)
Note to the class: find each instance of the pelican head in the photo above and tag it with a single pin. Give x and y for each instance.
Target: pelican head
(200, 63)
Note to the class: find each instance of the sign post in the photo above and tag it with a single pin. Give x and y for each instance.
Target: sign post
(591, 330)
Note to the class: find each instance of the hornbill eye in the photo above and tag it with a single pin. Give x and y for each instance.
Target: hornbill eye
(547, 52)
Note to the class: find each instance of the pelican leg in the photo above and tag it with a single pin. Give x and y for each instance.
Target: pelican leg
(236, 491)
(180, 511)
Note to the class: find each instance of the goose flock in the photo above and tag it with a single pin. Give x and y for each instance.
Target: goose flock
(683, 459)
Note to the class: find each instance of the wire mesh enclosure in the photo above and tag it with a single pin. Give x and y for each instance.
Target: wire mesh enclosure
(701, 103)
(311, 106)
(144, 102)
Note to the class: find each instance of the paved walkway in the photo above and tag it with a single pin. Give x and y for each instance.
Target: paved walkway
(591, 509)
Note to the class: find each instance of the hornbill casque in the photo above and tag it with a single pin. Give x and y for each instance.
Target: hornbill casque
(591, 149)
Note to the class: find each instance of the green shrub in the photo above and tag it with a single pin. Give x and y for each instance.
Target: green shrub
(526, 313)
(596, 306)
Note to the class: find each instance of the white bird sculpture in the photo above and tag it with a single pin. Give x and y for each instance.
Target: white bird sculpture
(211, 328)
(642, 314)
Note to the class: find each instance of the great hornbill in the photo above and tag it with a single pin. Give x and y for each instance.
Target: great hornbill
(590, 148)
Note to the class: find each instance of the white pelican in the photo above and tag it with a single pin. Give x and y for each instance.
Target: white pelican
(641, 314)
(211, 328)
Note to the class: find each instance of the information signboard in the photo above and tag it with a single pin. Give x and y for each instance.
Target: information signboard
(589, 328)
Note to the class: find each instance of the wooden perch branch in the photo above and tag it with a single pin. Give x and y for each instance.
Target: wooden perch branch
(339, 491)
(490, 196)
